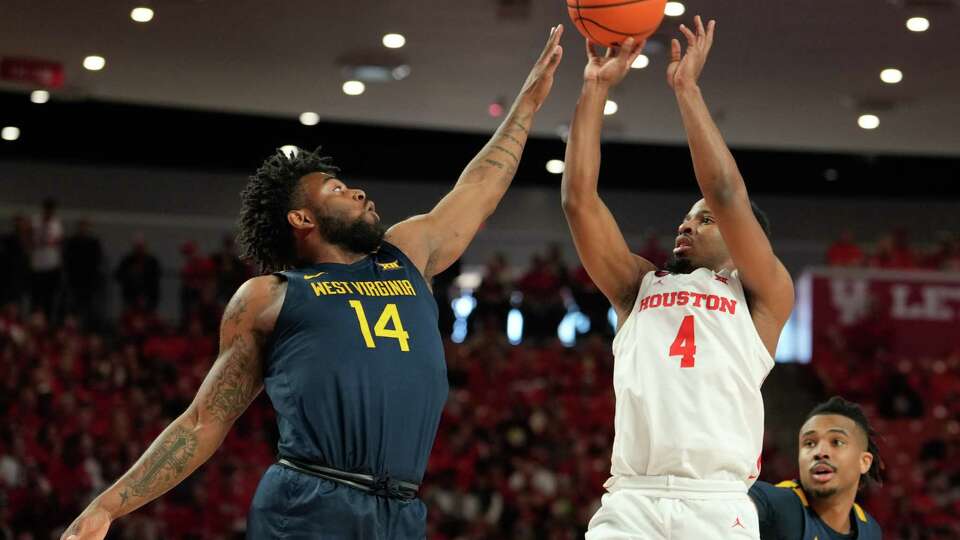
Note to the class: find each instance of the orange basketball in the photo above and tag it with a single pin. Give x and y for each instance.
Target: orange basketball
(611, 22)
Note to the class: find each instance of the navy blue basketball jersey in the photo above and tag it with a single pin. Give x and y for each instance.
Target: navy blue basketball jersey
(355, 366)
(785, 514)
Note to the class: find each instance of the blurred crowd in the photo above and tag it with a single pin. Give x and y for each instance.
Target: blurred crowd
(57, 274)
(83, 397)
(894, 251)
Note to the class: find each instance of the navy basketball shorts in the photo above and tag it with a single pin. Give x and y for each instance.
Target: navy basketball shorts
(291, 505)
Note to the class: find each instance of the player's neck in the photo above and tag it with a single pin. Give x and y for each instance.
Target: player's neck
(725, 265)
(835, 510)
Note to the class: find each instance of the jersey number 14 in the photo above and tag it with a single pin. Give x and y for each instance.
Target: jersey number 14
(685, 344)
(390, 315)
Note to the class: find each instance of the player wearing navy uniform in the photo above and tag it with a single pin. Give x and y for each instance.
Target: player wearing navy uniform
(838, 457)
(342, 333)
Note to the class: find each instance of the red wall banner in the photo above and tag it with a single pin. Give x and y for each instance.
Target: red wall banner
(914, 313)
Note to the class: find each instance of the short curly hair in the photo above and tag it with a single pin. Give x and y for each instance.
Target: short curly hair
(264, 235)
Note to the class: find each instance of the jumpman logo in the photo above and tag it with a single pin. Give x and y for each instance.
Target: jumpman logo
(738, 523)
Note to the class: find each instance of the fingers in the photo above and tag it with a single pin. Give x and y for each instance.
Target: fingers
(691, 37)
(674, 50)
(591, 52)
(633, 54)
(702, 35)
(555, 33)
(555, 58)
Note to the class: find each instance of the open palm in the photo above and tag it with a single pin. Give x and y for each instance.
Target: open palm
(612, 67)
(684, 70)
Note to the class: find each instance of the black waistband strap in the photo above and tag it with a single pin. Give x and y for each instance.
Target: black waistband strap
(382, 486)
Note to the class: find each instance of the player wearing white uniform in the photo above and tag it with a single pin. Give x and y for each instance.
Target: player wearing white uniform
(694, 344)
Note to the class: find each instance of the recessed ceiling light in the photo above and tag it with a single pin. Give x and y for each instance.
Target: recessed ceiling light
(555, 166)
(10, 133)
(142, 14)
(94, 62)
(918, 24)
(39, 96)
(674, 9)
(394, 41)
(891, 75)
(353, 88)
(309, 118)
(610, 107)
(868, 121)
(641, 62)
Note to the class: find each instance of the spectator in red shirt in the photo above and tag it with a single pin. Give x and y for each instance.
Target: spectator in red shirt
(844, 251)
(894, 252)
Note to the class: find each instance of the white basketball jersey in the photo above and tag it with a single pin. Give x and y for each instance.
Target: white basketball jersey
(688, 366)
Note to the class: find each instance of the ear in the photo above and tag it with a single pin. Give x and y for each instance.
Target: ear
(866, 460)
(300, 220)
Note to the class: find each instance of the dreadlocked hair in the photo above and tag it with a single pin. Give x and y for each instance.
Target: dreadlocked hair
(839, 406)
(264, 235)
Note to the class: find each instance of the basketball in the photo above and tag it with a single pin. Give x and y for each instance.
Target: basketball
(611, 22)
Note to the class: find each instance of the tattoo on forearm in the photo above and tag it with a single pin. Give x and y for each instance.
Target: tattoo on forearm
(507, 152)
(163, 466)
(514, 139)
(234, 386)
(518, 125)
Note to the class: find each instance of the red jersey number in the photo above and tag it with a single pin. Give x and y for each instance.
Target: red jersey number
(685, 344)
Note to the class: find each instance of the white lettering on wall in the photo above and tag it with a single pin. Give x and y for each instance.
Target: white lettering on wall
(850, 298)
(933, 304)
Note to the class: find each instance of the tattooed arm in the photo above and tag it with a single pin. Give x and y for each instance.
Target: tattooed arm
(436, 239)
(232, 383)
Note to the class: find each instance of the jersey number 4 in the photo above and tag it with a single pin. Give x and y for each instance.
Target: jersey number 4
(685, 344)
(390, 315)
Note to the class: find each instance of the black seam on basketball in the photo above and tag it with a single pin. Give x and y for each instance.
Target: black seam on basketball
(580, 18)
(613, 4)
(608, 29)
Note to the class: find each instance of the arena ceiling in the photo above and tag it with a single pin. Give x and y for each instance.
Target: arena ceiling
(787, 75)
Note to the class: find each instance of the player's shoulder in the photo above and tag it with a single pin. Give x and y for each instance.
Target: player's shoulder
(786, 493)
(867, 526)
(260, 292)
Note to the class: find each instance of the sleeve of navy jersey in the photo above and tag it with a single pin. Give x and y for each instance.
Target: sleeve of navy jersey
(779, 511)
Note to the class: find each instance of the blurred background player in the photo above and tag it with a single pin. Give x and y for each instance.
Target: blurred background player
(838, 457)
(694, 344)
(343, 336)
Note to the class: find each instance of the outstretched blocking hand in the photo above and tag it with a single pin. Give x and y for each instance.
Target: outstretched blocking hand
(685, 70)
(612, 67)
(90, 525)
(538, 84)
